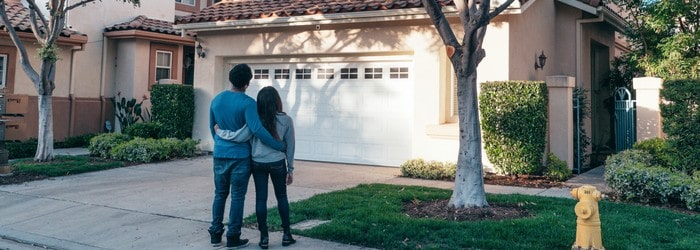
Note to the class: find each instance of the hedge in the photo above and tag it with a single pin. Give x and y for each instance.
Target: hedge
(172, 105)
(514, 123)
(681, 117)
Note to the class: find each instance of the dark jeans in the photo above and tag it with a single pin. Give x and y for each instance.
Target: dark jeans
(277, 171)
(233, 175)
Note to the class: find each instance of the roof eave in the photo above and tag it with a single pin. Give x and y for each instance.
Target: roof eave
(337, 18)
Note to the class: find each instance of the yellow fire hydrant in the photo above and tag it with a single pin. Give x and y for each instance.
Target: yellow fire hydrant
(588, 234)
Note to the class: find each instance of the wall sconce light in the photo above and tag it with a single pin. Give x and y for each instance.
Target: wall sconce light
(200, 51)
(540, 61)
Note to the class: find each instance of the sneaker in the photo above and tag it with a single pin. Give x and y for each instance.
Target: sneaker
(287, 238)
(216, 238)
(235, 242)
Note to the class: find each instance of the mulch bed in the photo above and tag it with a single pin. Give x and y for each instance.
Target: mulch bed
(530, 181)
(440, 210)
(17, 178)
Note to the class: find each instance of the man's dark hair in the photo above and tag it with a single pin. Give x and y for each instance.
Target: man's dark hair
(240, 75)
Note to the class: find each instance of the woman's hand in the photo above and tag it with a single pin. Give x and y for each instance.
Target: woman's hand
(216, 127)
(290, 179)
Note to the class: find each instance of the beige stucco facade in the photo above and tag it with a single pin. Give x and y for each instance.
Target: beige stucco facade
(512, 44)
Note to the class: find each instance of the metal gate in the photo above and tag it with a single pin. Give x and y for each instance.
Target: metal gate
(625, 122)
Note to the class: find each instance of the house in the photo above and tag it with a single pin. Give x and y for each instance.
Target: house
(108, 48)
(368, 82)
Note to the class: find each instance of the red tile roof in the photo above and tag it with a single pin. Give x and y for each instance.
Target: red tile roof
(229, 10)
(146, 24)
(19, 18)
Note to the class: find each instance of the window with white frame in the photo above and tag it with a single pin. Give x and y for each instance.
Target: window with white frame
(281, 73)
(303, 74)
(261, 74)
(324, 73)
(3, 70)
(373, 73)
(348, 73)
(164, 63)
(398, 72)
(188, 2)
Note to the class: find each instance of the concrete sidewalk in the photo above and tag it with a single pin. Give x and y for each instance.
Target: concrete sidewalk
(168, 205)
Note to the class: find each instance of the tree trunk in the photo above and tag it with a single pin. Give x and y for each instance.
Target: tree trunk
(469, 180)
(44, 151)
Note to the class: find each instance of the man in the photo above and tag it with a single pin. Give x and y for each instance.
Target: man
(231, 109)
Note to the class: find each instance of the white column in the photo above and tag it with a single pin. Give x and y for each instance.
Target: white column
(648, 111)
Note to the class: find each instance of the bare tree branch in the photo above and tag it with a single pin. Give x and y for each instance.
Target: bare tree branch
(35, 8)
(499, 9)
(443, 26)
(78, 4)
(23, 58)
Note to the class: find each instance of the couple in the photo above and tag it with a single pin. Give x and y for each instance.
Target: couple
(237, 125)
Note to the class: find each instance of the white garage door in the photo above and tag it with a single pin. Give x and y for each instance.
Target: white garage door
(350, 112)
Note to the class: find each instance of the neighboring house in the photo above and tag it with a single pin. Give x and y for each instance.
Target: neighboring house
(21, 95)
(120, 49)
(368, 82)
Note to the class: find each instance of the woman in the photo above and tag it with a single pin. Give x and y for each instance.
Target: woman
(268, 162)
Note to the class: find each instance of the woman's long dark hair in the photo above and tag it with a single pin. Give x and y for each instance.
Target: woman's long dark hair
(269, 104)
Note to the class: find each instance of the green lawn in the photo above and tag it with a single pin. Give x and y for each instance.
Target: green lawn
(371, 215)
(64, 165)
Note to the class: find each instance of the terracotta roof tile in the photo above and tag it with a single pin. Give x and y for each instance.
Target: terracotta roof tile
(146, 24)
(253, 9)
(229, 10)
(19, 19)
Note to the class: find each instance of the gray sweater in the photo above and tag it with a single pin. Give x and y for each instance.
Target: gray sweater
(261, 152)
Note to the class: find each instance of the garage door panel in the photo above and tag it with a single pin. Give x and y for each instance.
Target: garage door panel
(364, 120)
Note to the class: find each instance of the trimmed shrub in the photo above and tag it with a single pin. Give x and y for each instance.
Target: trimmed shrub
(145, 130)
(79, 141)
(24, 149)
(101, 145)
(556, 169)
(661, 152)
(150, 150)
(173, 106)
(681, 117)
(692, 196)
(514, 123)
(433, 170)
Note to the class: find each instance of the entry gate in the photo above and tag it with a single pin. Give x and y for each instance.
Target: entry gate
(625, 122)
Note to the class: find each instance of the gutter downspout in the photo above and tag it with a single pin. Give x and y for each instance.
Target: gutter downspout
(71, 118)
(103, 115)
(579, 45)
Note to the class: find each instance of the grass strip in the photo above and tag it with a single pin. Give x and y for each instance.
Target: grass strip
(371, 215)
(65, 165)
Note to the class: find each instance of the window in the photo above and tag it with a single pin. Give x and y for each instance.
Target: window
(398, 73)
(188, 2)
(164, 62)
(281, 73)
(3, 70)
(373, 73)
(348, 73)
(261, 74)
(303, 73)
(325, 74)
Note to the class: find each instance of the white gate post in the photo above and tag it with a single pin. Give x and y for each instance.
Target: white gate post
(561, 117)
(648, 107)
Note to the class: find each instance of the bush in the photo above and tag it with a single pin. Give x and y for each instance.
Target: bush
(681, 117)
(25, 149)
(661, 152)
(514, 122)
(145, 130)
(79, 141)
(173, 106)
(556, 169)
(101, 145)
(433, 170)
(149, 149)
(633, 176)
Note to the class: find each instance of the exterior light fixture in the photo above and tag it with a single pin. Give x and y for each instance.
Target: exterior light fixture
(540, 61)
(200, 51)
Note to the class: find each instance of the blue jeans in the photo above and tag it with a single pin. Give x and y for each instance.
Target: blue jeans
(230, 174)
(277, 171)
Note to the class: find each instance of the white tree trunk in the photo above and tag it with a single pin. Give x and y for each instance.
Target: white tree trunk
(44, 151)
(469, 181)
